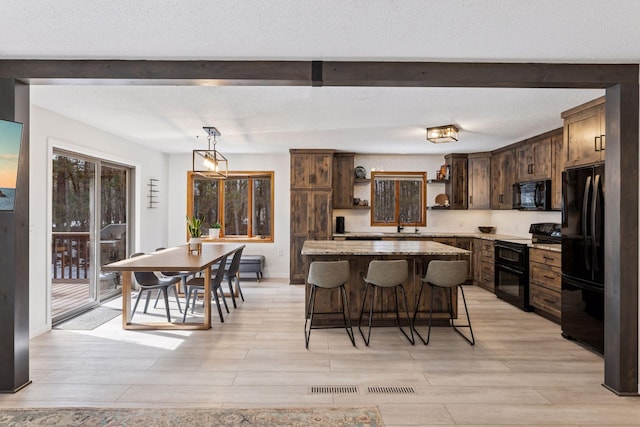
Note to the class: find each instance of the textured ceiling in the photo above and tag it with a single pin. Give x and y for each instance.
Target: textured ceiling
(263, 119)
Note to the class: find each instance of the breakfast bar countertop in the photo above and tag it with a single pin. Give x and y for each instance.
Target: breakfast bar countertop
(379, 247)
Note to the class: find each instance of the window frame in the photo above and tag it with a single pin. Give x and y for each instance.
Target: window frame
(191, 176)
(422, 176)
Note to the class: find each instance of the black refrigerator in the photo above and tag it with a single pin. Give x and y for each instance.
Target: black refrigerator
(583, 193)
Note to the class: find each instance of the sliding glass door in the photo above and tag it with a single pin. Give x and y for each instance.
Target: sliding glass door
(90, 213)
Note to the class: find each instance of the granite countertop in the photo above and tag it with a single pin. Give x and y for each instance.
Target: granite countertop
(379, 247)
(547, 246)
(478, 235)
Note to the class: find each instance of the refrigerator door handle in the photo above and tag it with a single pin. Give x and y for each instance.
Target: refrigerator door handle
(585, 222)
(595, 201)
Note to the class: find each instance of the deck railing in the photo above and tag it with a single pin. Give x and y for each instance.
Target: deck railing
(70, 255)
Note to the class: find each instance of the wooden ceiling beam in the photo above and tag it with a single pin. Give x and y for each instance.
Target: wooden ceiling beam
(321, 73)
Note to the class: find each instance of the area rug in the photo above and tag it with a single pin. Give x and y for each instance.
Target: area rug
(90, 320)
(166, 417)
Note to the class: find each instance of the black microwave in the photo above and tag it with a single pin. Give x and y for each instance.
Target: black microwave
(532, 195)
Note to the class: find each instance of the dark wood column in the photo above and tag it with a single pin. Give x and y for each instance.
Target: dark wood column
(14, 261)
(621, 243)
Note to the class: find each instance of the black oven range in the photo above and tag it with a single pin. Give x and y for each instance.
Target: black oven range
(512, 263)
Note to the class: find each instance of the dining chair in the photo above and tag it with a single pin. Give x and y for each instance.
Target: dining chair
(447, 275)
(231, 275)
(182, 274)
(196, 284)
(149, 282)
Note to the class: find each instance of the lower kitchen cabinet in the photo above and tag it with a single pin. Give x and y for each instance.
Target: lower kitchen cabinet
(483, 269)
(545, 273)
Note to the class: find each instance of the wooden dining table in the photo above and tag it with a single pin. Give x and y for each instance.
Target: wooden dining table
(171, 259)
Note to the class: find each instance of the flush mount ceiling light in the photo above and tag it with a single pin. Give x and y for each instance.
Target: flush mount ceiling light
(210, 163)
(448, 133)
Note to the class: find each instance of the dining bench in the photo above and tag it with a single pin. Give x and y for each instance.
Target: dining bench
(251, 264)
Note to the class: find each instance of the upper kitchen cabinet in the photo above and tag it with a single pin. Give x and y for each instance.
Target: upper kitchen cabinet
(311, 169)
(479, 180)
(557, 146)
(533, 158)
(456, 188)
(343, 180)
(584, 133)
(502, 178)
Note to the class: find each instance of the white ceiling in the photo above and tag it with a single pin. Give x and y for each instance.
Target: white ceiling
(267, 119)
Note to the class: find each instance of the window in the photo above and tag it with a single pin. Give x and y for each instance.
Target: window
(398, 198)
(242, 204)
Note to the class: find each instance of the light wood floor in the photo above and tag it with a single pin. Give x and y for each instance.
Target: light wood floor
(520, 372)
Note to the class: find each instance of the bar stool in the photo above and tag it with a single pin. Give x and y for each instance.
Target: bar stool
(445, 274)
(386, 274)
(328, 275)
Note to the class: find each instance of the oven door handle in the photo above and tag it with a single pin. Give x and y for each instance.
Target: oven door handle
(509, 248)
(509, 269)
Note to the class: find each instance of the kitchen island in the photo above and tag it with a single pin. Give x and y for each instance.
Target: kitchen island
(418, 253)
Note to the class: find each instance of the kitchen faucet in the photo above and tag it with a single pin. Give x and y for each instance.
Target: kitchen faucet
(400, 216)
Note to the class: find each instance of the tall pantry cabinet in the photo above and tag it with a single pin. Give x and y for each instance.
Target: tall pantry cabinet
(311, 203)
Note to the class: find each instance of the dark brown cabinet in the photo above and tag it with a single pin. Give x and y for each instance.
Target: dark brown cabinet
(456, 187)
(311, 204)
(311, 169)
(584, 133)
(343, 180)
(502, 178)
(556, 170)
(545, 273)
(483, 259)
(533, 159)
(479, 181)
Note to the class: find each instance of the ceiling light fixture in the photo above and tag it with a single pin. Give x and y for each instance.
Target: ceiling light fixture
(447, 133)
(210, 163)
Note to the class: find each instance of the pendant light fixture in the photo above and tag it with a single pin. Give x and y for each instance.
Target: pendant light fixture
(447, 133)
(210, 163)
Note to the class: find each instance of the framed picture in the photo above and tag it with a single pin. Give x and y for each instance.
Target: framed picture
(10, 140)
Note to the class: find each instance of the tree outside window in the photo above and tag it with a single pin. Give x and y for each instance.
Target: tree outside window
(242, 204)
(398, 198)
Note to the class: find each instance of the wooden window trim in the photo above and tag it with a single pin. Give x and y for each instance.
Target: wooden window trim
(237, 239)
(423, 197)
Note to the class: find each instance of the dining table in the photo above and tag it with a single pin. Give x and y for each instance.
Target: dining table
(178, 258)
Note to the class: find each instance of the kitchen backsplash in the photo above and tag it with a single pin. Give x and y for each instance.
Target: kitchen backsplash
(510, 222)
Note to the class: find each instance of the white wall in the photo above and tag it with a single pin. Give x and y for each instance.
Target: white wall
(276, 253)
(48, 130)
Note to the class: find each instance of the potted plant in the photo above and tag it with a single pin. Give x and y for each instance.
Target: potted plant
(195, 233)
(214, 231)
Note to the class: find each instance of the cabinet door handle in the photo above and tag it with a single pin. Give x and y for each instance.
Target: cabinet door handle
(500, 199)
(547, 258)
(547, 277)
(550, 301)
(470, 200)
(603, 142)
(596, 142)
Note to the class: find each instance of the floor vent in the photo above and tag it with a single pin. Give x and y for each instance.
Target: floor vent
(391, 390)
(334, 389)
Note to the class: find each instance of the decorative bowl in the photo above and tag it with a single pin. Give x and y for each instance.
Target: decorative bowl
(487, 230)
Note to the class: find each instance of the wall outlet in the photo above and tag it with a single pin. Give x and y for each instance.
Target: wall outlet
(279, 252)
